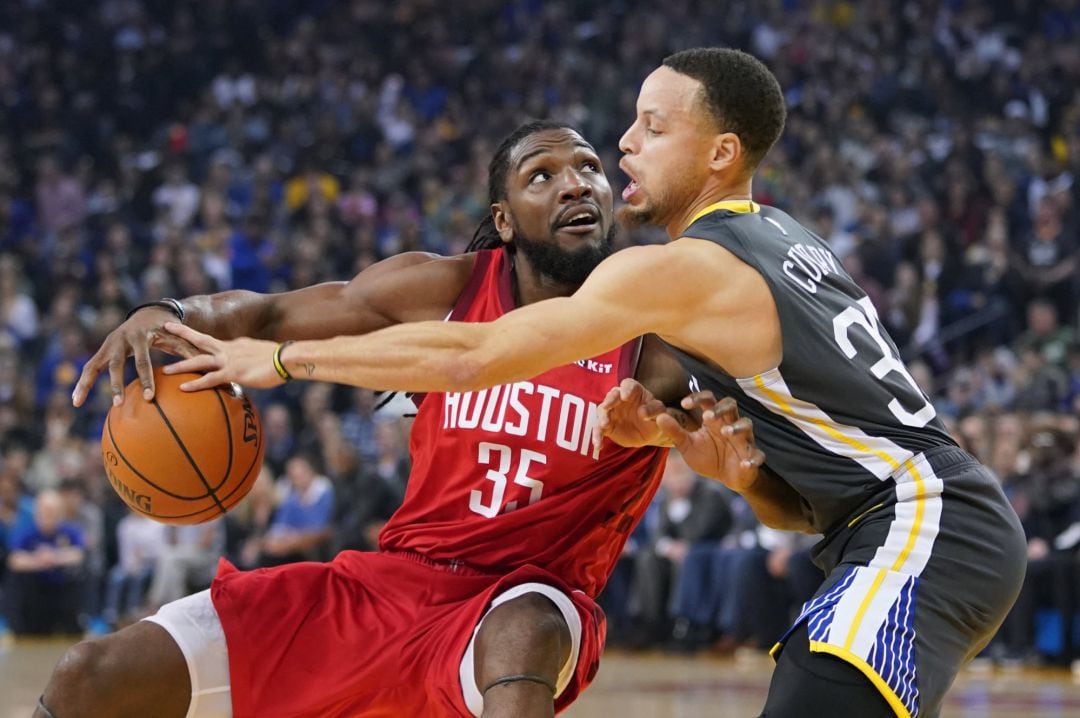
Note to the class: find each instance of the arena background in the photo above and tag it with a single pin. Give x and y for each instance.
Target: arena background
(156, 148)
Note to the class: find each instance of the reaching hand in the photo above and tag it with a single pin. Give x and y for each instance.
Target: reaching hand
(628, 416)
(723, 448)
(249, 362)
(145, 329)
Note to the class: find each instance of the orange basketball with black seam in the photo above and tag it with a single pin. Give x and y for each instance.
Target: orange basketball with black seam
(185, 457)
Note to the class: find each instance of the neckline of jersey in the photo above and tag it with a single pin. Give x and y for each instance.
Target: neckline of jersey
(738, 206)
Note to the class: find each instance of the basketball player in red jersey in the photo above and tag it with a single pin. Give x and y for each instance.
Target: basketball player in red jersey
(480, 601)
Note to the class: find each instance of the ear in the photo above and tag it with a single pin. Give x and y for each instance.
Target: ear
(503, 224)
(726, 152)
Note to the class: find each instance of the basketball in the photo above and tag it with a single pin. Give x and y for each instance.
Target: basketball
(183, 458)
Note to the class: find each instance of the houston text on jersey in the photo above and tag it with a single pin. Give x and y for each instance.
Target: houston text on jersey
(500, 409)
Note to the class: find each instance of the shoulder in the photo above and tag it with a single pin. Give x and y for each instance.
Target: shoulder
(433, 266)
(704, 263)
(413, 285)
(656, 262)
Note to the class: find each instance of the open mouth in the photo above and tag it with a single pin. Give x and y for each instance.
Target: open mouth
(631, 189)
(579, 220)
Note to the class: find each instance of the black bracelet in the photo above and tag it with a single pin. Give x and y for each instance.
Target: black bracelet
(531, 678)
(173, 305)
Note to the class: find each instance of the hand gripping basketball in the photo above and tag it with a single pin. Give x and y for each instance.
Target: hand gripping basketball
(183, 457)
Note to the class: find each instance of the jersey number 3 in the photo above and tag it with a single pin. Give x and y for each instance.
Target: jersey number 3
(499, 459)
(887, 364)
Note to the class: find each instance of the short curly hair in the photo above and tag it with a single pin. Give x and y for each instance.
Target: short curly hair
(740, 93)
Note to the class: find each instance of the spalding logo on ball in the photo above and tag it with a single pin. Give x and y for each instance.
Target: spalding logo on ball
(183, 458)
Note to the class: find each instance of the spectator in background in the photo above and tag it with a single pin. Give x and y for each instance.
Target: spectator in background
(280, 441)
(310, 184)
(358, 424)
(140, 542)
(693, 511)
(838, 238)
(176, 201)
(365, 504)
(337, 457)
(79, 511)
(43, 571)
(1047, 499)
(1048, 259)
(767, 583)
(18, 313)
(1041, 386)
(1044, 334)
(301, 525)
(1072, 398)
(60, 457)
(16, 513)
(62, 363)
(187, 561)
(16, 508)
(251, 255)
(60, 198)
(316, 400)
(248, 522)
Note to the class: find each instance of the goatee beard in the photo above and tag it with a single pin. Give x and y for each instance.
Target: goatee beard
(635, 216)
(563, 266)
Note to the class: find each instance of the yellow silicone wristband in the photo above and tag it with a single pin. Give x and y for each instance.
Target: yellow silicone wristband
(278, 366)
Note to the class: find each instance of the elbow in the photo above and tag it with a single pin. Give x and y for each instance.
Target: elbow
(476, 359)
(466, 372)
(460, 373)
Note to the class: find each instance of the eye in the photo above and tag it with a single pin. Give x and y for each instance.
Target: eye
(540, 176)
(651, 132)
(591, 165)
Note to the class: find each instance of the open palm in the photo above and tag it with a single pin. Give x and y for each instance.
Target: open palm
(723, 447)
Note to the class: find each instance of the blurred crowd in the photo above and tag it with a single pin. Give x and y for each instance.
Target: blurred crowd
(155, 148)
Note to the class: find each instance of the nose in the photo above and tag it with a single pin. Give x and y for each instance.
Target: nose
(626, 141)
(574, 186)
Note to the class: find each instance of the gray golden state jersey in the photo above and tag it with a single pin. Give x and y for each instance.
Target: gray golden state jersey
(841, 414)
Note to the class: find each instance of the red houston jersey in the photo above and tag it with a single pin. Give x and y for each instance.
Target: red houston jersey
(507, 476)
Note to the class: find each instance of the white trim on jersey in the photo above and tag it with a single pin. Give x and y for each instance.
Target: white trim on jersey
(869, 622)
(906, 550)
(876, 454)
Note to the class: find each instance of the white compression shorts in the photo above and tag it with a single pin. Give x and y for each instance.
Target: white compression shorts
(193, 623)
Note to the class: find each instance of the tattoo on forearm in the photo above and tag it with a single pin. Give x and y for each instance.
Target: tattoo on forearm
(309, 368)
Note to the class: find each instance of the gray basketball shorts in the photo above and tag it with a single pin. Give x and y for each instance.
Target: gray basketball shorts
(917, 585)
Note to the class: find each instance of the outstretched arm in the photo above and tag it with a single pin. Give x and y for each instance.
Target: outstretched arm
(407, 287)
(621, 300)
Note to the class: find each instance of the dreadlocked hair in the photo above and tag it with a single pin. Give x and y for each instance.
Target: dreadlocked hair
(486, 235)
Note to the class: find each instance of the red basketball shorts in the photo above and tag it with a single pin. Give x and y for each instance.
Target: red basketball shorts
(377, 634)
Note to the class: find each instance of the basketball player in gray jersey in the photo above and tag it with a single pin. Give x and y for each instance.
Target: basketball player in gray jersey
(923, 555)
